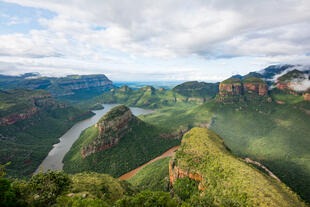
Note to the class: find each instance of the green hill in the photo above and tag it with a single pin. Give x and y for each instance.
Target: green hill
(30, 123)
(223, 179)
(149, 97)
(154, 176)
(118, 143)
(276, 135)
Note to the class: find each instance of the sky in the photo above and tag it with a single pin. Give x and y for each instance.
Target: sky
(152, 40)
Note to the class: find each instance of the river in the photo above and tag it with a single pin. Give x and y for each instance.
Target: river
(54, 158)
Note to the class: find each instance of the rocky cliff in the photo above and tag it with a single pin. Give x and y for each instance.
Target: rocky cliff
(234, 89)
(77, 82)
(111, 128)
(294, 82)
(59, 87)
(223, 178)
(25, 105)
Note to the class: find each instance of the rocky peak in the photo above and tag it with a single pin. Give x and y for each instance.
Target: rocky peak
(234, 89)
(294, 82)
(111, 128)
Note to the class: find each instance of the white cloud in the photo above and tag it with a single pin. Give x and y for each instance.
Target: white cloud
(114, 31)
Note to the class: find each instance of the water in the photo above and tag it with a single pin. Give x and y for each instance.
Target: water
(54, 158)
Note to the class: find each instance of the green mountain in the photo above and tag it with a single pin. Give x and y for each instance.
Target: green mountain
(71, 88)
(148, 97)
(223, 179)
(118, 143)
(270, 132)
(30, 123)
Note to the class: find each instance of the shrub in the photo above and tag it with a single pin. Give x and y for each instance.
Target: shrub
(185, 188)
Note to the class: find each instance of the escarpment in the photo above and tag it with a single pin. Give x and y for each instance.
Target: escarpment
(26, 106)
(235, 90)
(111, 128)
(224, 178)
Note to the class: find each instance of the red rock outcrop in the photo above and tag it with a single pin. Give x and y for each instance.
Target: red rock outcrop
(16, 117)
(111, 129)
(176, 173)
(256, 88)
(230, 89)
(306, 96)
(235, 90)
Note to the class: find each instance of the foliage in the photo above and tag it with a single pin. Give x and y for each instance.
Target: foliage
(148, 199)
(197, 89)
(27, 142)
(65, 201)
(185, 188)
(45, 187)
(141, 143)
(228, 181)
(7, 195)
(154, 176)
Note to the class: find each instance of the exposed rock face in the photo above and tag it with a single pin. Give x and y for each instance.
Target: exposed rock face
(230, 89)
(111, 128)
(234, 90)
(37, 102)
(307, 96)
(176, 173)
(83, 82)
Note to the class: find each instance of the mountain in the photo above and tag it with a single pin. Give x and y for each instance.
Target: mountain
(197, 89)
(223, 179)
(118, 143)
(70, 88)
(272, 129)
(233, 89)
(30, 123)
(150, 97)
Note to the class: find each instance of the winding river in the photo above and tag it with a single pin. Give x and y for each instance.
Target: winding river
(54, 158)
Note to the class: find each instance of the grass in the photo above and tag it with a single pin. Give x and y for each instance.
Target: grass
(140, 144)
(273, 134)
(26, 143)
(225, 178)
(154, 177)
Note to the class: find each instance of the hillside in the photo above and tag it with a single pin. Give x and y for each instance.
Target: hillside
(118, 143)
(224, 180)
(149, 97)
(70, 88)
(30, 123)
(197, 89)
(274, 134)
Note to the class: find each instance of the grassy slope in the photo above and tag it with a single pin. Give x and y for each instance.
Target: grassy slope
(136, 148)
(26, 143)
(276, 135)
(227, 179)
(154, 176)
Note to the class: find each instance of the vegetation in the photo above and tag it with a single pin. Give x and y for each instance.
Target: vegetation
(226, 180)
(274, 134)
(140, 143)
(27, 142)
(197, 89)
(154, 176)
(231, 81)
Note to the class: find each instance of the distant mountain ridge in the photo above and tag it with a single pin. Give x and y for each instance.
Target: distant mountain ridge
(71, 86)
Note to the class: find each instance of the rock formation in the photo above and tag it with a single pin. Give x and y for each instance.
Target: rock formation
(111, 128)
(235, 90)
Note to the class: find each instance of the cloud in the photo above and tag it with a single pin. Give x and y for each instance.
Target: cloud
(114, 31)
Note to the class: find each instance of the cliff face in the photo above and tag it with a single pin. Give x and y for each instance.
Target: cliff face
(294, 82)
(64, 86)
(111, 128)
(84, 82)
(234, 90)
(28, 107)
(178, 173)
(306, 96)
